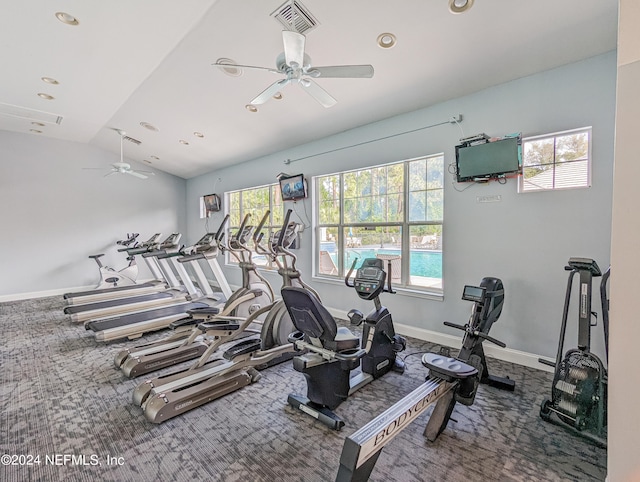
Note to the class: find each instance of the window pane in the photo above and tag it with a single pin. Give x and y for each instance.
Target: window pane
(328, 252)
(328, 189)
(572, 174)
(572, 147)
(435, 172)
(418, 175)
(383, 242)
(538, 177)
(277, 206)
(538, 152)
(434, 205)
(418, 206)
(425, 261)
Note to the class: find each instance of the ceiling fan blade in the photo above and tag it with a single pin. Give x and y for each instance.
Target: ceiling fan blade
(318, 93)
(293, 48)
(95, 168)
(342, 71)
(112, 172)
(239, 66)
(266, 94)
(137, 174)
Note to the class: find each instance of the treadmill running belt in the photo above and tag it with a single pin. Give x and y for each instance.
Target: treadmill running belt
(108, 323)
(109, 290)
(69, 310)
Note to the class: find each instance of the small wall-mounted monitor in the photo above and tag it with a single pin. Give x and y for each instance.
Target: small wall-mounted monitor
(488, 160)
(293, 188)
(212, 203)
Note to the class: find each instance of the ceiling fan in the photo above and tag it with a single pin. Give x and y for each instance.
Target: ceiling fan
(295, 65)
(123, 167)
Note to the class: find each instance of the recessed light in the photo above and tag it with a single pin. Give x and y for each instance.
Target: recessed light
(66, 18)
(45, 96)
(50, 80)
(147, 161)
(198, 134)
(228, 67)
(183, 142)
(460, 6)
(155, 157)
(386, 40)
(277, 96)
(251, 108)
(39, 124)
(151, 127)
(35, 131)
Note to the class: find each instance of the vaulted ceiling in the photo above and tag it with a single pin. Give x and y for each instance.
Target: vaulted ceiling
(145, 67)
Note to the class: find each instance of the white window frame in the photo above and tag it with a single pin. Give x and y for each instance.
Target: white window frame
(554, 136)
(405, 285)
(270, 227)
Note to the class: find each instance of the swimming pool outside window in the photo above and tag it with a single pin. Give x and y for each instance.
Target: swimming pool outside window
(393, 212)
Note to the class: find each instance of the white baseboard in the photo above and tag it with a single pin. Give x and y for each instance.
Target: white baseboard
(47, 293)
(42, 294)
(506, 354)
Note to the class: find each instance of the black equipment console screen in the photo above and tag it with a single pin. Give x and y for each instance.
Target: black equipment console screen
(473, 293)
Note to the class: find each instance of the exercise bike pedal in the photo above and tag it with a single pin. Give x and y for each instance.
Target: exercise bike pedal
(398, 344)
(355, 317)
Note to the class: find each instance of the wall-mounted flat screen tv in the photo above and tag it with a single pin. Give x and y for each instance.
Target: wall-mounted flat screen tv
(293, 188)
(488, 160)
(211, 203)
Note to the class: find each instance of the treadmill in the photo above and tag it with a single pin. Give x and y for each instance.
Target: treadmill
(163, 296)
(134, 325)
(157, 284)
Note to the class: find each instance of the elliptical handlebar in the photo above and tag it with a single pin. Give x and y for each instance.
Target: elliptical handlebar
(256, 233)
(284, 227)
(220, 232)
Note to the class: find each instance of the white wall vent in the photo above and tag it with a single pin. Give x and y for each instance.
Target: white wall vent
(297, 17)
(131, 139)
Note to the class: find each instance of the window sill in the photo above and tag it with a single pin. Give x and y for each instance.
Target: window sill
(410, 292)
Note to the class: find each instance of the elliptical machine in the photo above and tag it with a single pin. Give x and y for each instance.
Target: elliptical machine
(579, 393)
(332, 353)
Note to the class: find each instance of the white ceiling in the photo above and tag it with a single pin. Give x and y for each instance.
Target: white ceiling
(133, 61)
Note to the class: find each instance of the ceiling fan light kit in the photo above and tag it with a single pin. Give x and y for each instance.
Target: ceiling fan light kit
(124, 167)
(296, 67)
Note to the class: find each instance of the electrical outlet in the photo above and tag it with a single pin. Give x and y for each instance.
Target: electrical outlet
(493, 198)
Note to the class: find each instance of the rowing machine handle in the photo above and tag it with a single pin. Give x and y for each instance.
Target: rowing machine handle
(284, 227)
(454, 325)
(256, 233)
(220, 231)
(346, 279)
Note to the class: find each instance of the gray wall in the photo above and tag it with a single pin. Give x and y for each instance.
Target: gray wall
(54, 214)
(525, 239)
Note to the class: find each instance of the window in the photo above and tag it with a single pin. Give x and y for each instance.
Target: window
(256, 201)
(556, 161)
(393, 212)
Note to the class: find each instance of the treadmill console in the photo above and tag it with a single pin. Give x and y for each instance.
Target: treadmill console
(205, 243)
(171, 241)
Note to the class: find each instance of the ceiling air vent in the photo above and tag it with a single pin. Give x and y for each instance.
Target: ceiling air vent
(131, 139)
(297, 16)
(29, 114)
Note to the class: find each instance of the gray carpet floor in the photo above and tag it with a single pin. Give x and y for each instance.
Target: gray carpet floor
(67, 411)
